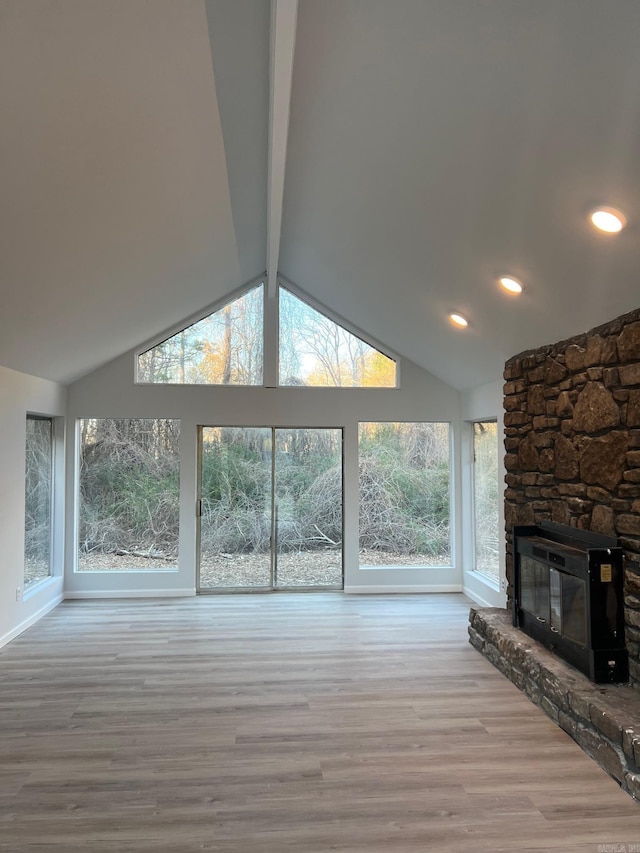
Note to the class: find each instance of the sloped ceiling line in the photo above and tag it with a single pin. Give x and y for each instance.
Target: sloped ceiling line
(283, 37)
(428, 148)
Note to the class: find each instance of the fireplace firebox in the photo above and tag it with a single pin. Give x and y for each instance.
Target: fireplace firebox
(568, 595)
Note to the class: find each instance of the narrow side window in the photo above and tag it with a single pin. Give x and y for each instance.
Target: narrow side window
(38, 499)
(485, 498)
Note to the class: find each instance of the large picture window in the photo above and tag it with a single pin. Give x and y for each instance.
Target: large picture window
(38, 499)
(129, 494)
(404, 494)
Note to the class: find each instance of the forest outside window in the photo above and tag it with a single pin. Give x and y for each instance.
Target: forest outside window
(405, 489)
(129, 488)
(271, 508)
(486, 498)
(38, 499)
(227, 348)
(316, 351)
(224, 348)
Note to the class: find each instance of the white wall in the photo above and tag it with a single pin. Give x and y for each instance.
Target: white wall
(21, 394)
(482, 403)
(111, 392)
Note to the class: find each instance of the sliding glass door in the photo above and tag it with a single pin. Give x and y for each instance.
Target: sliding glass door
(308, 508)
(270, 508)
(235, 502)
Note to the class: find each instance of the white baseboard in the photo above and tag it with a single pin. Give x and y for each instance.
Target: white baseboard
(129, 593)
(400, 590)
(35, 617)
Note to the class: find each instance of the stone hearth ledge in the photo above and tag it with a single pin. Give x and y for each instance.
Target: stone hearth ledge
(604, 719)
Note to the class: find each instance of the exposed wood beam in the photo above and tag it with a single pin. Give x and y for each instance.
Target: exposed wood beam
(283, 36)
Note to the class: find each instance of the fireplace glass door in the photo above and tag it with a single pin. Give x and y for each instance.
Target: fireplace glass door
(534, 588)
(555, 606)
(574, 609)
(554, 597)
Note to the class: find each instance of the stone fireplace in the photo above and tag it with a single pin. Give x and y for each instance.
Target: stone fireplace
(572, 442)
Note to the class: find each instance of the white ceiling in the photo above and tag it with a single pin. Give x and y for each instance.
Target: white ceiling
(424, 148)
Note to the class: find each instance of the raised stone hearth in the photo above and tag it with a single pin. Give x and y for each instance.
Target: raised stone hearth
(603, 719)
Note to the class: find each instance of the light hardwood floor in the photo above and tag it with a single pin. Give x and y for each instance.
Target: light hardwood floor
(278, 723)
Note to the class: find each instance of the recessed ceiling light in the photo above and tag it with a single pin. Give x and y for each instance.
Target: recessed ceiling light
(608, 219)
(511, 284)
(458, 320)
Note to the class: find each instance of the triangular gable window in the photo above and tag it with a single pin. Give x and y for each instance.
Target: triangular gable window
(224, 348)
(317, 351)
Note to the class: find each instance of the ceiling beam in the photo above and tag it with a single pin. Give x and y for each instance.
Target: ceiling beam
(283, 37)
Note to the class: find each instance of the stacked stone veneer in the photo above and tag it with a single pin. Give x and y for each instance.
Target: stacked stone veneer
(572, 441)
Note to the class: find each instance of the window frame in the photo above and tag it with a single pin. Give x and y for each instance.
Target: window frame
(125, 571)
(186, 323)
(53, 462)
(270, 339)
(494, 583)
(283, 283)
(451, 494)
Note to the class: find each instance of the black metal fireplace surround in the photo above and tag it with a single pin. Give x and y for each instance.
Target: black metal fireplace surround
(568, 586)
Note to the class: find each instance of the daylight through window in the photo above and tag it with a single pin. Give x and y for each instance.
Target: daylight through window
(38, 499)
(129, 494)
(485, 494)
(404, 494)
(224, 348)
(315, 350)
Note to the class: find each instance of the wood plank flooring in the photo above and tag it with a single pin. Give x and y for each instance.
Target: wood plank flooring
(277, 723)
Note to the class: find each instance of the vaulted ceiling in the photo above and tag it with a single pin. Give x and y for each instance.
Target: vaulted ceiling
(390, 158)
